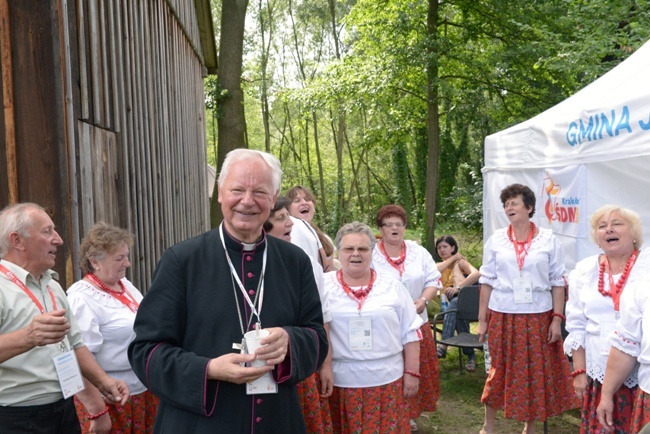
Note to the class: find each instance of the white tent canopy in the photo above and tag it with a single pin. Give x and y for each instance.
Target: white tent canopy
(590, 150)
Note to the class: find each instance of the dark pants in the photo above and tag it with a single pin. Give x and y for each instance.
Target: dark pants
(461, 326)
(57, 418)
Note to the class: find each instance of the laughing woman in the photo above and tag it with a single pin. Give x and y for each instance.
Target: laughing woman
(595, 288)
(413, 265)
(522, 300)
(313, 391)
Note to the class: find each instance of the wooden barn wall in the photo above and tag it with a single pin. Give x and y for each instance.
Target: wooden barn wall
(30, 63)
(139, 123)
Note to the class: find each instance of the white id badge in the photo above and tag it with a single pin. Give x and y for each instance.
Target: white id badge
(523, 289)
(67, 369)
(360, 334)
(606, 327)
(262, 385)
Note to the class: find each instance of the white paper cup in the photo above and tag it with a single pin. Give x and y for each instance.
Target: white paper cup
(253, 339)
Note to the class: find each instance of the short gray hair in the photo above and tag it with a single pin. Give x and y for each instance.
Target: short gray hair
(15, 218)
(636, 227)
(240, 154)
(355, 228)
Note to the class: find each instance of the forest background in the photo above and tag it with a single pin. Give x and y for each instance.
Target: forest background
(371, 102)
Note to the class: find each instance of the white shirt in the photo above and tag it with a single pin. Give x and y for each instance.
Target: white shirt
(305, 237)
(30, 378)
(394, 324)
(320, 283)
(543, 267)
(632, 334)
(590, 316)
(107, 329)
(420, 270)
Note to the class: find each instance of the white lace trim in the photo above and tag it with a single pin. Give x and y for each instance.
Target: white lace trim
(597, 372)
(627, 346)
(97, 295)
(574, 341)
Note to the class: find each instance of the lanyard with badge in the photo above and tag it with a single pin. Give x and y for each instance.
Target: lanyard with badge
(359, 327)
(522, 286)
(259, 296)
(67, 367)
(265, 383)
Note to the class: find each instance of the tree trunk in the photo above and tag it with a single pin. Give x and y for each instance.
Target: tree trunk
(232, 125)
(264, 60)
(339, 137)
(433, 124)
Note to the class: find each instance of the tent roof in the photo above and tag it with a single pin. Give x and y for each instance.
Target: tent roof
(607, 120)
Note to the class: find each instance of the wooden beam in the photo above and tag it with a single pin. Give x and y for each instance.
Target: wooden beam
(8, 102)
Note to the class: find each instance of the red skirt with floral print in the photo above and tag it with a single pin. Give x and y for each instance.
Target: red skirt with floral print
(429, 389)
(640, 411)
(529, 378)
(135, 417)
(380, 409)
(622, 415)
(316, 410)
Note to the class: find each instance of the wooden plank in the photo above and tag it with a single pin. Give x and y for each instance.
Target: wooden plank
(87, 202)
(119, 114)
(83, 74)
(72, 197)
(114, 47)
(8, 101)
(139, 145)
(104, 48)
(95, 61)
(130, 126)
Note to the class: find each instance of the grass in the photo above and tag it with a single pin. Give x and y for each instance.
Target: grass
(460, 410)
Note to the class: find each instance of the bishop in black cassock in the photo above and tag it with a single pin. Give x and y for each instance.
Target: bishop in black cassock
(193, 314)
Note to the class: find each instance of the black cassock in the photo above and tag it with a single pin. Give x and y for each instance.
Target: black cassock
(189, 316)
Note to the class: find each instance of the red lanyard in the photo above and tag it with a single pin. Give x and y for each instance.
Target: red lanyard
(31, 295)
(359, 295)
(123, 297)
(521, 247)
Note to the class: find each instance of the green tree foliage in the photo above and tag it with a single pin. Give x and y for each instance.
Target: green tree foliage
(347, 91)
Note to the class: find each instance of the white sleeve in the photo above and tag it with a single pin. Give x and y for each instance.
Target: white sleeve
(628, 334)
(576, 320)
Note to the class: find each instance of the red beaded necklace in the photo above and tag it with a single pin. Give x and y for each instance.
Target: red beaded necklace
(361, 293)
(521, 247)
(615, 289)
(398, 263)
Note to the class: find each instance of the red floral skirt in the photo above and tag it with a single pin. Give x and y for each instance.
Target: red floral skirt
(316, 410)
(622, 415)
(529, 378)
(429, 389)
(380, 409)
(640, 411)
(135, 417)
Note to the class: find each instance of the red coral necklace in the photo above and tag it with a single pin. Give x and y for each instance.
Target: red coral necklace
(615, 289)
(361, 293)
(398, 263)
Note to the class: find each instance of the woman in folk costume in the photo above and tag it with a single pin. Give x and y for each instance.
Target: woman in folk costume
(595, 288)
(413, 265)
(375, 338)
(520, 314)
